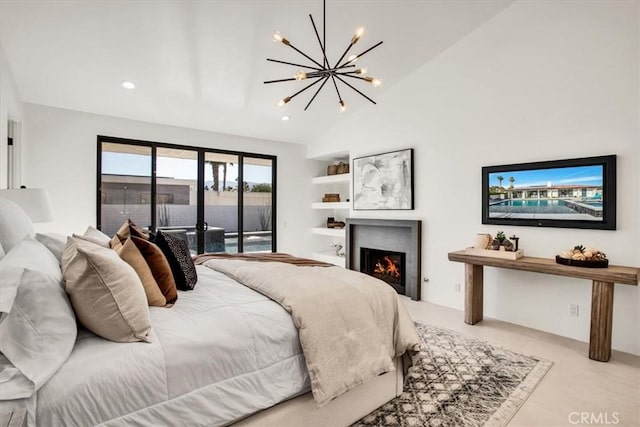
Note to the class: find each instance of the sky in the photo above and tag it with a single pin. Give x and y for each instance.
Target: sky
(577, 175)
(140, 165)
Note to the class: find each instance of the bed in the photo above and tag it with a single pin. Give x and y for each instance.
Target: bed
(223, 354)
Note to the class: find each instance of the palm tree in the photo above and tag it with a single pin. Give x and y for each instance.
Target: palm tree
(215, 168)
(511, 180)
(500, 178)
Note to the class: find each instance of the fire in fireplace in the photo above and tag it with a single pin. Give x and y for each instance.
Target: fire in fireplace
(384, 265)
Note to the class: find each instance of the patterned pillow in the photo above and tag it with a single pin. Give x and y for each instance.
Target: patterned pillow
(179, 257)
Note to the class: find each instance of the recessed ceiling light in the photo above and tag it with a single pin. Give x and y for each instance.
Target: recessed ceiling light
(286, 118)
(128, 85)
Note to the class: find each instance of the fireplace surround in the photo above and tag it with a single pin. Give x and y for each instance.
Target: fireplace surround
(393, 236)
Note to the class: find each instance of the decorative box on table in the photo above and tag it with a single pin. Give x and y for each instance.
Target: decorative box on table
(513, 255)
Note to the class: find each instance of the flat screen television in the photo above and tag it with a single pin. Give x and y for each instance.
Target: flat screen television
(571, 193)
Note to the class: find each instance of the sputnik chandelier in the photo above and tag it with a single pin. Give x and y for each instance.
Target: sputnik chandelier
(323, 72)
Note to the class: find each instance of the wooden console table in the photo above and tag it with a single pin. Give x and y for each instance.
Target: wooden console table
(601, 294)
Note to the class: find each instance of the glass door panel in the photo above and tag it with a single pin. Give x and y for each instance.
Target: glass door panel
(221, 202)
(177, 194)
(258, 201)
(125, 186)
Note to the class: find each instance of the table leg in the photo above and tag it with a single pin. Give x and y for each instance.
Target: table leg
(473, 294)
(601, 321)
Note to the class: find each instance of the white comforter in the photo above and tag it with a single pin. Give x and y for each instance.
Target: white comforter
(221, 353)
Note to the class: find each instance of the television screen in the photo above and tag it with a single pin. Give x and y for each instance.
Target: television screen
(577, 193)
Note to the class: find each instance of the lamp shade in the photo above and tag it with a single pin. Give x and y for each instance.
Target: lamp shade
(34, 201)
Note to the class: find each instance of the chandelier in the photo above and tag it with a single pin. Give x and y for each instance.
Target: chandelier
(322, 72)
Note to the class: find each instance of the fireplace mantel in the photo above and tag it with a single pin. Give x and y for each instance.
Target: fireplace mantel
(397, 235)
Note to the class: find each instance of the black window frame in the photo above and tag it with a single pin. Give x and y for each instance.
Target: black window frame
(201, 151)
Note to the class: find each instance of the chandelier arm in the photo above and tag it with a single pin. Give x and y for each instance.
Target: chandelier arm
(344, 54)
(326, 79)
(304, 88)
(360, 55)
(333, 78)
(290, 79)
(328, 71)
(294, 64)
(369, 99)
(347, 73)
(324, 25)
(353, 77)
(305, 55)
(324, 53)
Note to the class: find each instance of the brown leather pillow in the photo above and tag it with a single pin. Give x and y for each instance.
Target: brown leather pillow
(126, 230)
(132, 256)
(159, 266)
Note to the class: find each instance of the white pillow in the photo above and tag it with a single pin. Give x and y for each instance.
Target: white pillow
(38, 334)
(15, 224)
(54, 242)
(27, 254)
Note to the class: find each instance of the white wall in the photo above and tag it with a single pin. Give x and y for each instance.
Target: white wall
(60, 152)
(10, 108)
(542, 80)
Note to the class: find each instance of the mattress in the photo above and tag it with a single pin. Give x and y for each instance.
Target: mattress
(221, 353)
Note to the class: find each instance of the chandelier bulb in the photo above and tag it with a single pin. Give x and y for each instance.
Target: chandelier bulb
(277, 38)
(343, 107)
(375, 82)
(284, 101)
(357, 35)
(300, 75)
(352, 58)
(362, 70)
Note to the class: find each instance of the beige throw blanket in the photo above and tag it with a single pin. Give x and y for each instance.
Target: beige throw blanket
(351, 326)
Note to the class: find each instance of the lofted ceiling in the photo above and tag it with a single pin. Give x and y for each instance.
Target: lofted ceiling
(201, 64)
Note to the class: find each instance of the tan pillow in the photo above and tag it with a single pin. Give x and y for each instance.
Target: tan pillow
(96, 236)
(132, 256)
(160, 268)
(106, 293)
(128, 229)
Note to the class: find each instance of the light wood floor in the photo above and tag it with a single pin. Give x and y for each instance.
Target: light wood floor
(606, 392)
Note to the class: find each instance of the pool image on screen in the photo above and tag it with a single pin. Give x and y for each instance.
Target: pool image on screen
(566, 193)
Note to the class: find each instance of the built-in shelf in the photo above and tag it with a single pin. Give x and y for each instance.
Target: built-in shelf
(324, 231)
(332, 179)
(339, 184)
(329, 257)
(330, 205)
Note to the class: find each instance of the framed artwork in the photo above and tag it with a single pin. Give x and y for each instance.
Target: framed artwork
(383, 181)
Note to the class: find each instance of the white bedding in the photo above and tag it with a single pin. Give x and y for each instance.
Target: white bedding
(221, 353)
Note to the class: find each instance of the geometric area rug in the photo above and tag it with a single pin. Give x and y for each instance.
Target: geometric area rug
(458, 381)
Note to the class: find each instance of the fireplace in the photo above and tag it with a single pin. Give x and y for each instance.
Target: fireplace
(388, 266)
(395, 237)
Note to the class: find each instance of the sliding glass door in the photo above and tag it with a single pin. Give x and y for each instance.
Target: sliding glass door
(215, 201)
(221, 202)
(257, 178)
(125, 190)
(177, 194)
